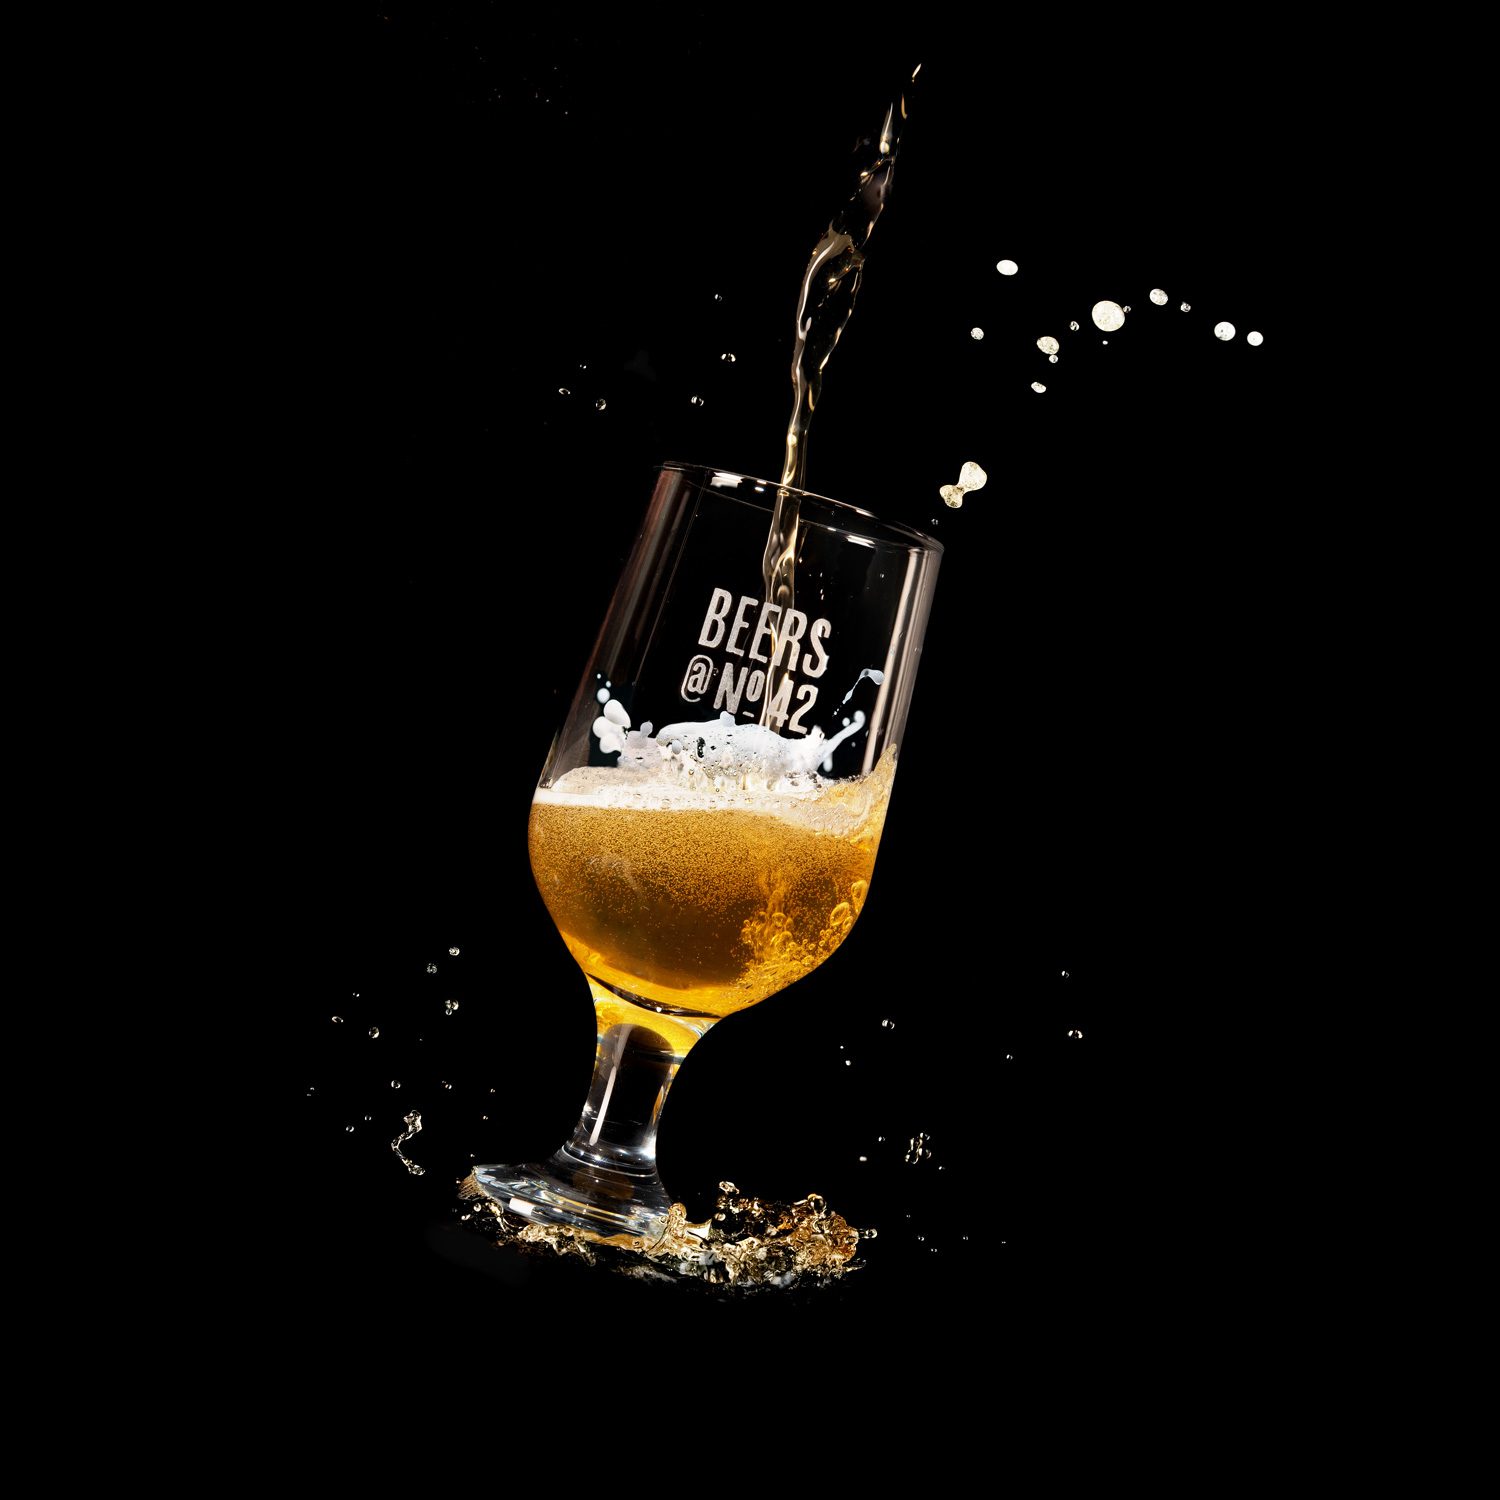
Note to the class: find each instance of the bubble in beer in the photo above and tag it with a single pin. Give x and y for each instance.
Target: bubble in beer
(1007, 267)
(1224, 331)
(374, 1031)
(1072, 328)
(976, 333)
(1159, 297)
(449, 1006)
(600, 404)
(1254, 339)
(1047, 344)
(1108, 316)
(1038, 387)
(1187, 307)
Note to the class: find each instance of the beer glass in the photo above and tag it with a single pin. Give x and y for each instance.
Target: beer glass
(705, 826)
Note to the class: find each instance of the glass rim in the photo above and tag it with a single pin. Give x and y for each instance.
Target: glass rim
(887, 531)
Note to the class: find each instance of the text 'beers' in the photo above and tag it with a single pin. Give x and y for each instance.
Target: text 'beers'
(754, 631)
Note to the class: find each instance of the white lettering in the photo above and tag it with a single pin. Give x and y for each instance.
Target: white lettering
(763, 629)
(731, 686)
(741, 625)
(776, 714)
(713, 622)
(820, 629)
(807, 695)
(793, 623)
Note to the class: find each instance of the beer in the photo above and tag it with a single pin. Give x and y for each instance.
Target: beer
(704, 898)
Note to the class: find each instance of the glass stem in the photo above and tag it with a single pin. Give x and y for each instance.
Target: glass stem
(638, 1054)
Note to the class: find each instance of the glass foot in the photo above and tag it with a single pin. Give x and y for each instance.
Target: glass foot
(571, 1193)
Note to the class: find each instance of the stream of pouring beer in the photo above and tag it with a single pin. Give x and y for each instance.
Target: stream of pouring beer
(829, 286)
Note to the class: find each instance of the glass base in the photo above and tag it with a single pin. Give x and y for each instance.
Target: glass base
(571, 1193)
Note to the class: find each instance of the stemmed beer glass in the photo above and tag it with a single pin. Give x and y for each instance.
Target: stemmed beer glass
(705, 827)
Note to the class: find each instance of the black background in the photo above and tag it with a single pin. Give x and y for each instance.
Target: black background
(1091, 822)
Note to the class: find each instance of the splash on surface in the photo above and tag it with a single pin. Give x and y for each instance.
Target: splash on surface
(747, 1243)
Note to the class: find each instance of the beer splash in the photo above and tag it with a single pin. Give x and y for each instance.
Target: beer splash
(747, 1243)
(824, 303)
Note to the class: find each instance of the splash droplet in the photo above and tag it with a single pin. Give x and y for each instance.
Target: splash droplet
(1047, 344)
(1072, 328)
(696, 401)
(449, 1006)
(453, 953)
(1076, 1035)
(1007, 267)
(1052, 359)
(432, 968)
(395, 1083)
(1038, 387)
(976, 333)
(1159, 297)
(338, 1020)
(348, 1130)
(562, 390)
(1187, 307)
(952, 494)
(1108, 316)
(1224, 331)
(971, 477)
(1066, 974)
(374, 1031)
(1254, 339)
(727, 359)
(889, 1025)
(600, 404)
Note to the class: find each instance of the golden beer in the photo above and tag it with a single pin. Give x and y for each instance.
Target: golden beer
(705, 900)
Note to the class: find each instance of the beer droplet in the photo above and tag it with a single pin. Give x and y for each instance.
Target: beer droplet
(1047, 344)
(449, 1006)
(1007, 267)
(1159, 297)
(1224, 331)
(976, 333)
(395, 1083)
(432, 968)
(1037, 386)
(727, 359)
(453, 953)
(848, 1063)
(600, 404)
(1108, 316)
(338, 1020)
(562, 390)
(1072, 328)
(863, 1158)
(971, 477)
(1076, 1035)
(1052, 359)
(1187, 307)
(1254, 339)
(1125, 309)
(718, 297)
(696, 401)
(374, 1031)
(446, 1084)
(952, 494)
(1066, 974)
(889, 1025)
(348, 1130)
